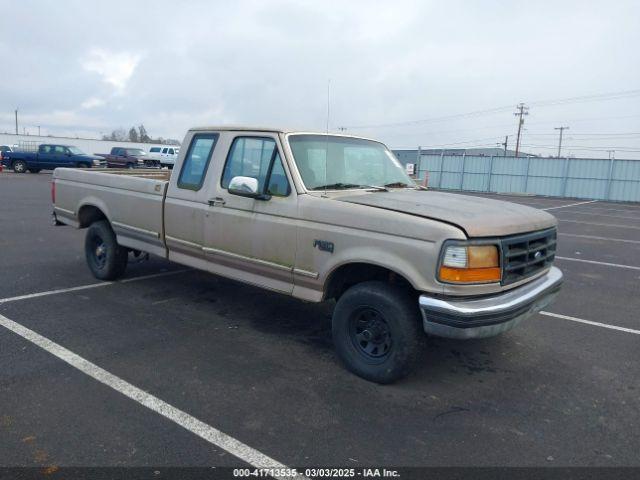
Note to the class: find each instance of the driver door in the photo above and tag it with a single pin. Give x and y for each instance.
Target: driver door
(253, 239)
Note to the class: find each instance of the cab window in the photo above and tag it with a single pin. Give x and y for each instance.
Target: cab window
(253, 157)
(194, 167)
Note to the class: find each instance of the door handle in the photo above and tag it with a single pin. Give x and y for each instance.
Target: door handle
(217, 202)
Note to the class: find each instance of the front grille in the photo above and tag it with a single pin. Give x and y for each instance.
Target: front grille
(525, 255)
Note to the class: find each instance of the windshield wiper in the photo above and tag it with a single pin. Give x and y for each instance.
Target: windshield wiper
(404, 185)
(335, 186)
(340, 186)
(396, 185)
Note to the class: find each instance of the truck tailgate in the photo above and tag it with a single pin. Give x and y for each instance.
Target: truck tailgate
(132, 201)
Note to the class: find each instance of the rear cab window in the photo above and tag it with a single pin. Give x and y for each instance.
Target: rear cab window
(196, 161)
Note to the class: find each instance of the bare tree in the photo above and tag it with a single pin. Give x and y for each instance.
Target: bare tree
(133, 135)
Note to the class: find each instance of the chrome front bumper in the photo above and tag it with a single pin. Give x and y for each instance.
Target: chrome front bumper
(488, 316)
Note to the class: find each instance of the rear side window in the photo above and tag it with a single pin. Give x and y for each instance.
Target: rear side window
(259, 158)
(154, 149)
(196, 161)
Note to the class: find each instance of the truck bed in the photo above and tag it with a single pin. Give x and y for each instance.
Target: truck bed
(122, 195)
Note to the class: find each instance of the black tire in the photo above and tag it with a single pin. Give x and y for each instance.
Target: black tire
(106, 259)
(19, 166)
(83, 165)
(130, 165)
(376, 331)
(34, 170)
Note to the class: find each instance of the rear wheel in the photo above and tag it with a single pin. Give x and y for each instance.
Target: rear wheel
(19, 166)
(106, 259)
(376, 331)
(82, 165)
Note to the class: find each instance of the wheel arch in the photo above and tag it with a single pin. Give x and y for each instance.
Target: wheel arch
(89, 213)
(346, 275)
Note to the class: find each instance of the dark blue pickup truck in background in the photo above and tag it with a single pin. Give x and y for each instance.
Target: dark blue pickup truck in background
(49, 157)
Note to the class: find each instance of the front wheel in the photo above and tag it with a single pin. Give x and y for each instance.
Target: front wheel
(376, 331)
(19, 166)
(106, 259)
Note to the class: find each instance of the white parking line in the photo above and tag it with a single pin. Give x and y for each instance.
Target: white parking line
(629, 209)
(606, 264)
(589, 322)
(596, 214)
(183, 419)
(599, 224)
(570, 205)
(91, 285)
(593, 237)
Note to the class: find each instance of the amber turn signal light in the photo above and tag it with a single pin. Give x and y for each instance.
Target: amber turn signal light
(470, 264)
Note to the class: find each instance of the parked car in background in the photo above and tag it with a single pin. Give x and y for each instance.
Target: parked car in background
(166, 155)
(49, 157)
(125, 157)
(5, 148)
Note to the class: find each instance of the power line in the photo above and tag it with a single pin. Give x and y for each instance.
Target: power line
(538, 103)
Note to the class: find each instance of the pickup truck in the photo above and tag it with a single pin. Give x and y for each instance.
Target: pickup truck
(325, 217)
(49, 157)
(124, 157)
(166, 155)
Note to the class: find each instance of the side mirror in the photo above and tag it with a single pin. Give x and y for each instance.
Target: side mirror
(246, 187)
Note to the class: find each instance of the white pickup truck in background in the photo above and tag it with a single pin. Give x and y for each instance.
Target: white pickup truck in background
(166, 155)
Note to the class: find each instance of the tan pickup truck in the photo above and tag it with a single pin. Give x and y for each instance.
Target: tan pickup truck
(323, 217)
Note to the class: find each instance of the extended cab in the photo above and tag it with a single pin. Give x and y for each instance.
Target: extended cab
(322, 217)
(124, 157)
(49, 157)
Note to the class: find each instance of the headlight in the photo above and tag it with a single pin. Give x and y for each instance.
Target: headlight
(470, 264)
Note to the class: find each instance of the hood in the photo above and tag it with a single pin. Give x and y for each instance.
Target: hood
(477, 216)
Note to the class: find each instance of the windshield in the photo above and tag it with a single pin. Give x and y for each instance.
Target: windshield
(350, 163)
(76, 151)
(135, 152)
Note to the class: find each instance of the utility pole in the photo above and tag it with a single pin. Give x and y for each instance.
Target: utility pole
(16, 121)
(562, 129)
(38, 130)
(522, 111)
(504, 144)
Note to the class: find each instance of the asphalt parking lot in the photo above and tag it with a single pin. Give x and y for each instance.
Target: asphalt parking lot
(563, 389)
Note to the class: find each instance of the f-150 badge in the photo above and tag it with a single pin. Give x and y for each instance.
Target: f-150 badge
(323, 245)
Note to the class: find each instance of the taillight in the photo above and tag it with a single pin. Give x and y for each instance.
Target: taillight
(53, 192)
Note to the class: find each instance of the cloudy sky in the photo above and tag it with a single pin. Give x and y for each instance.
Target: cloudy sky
(406, 72)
